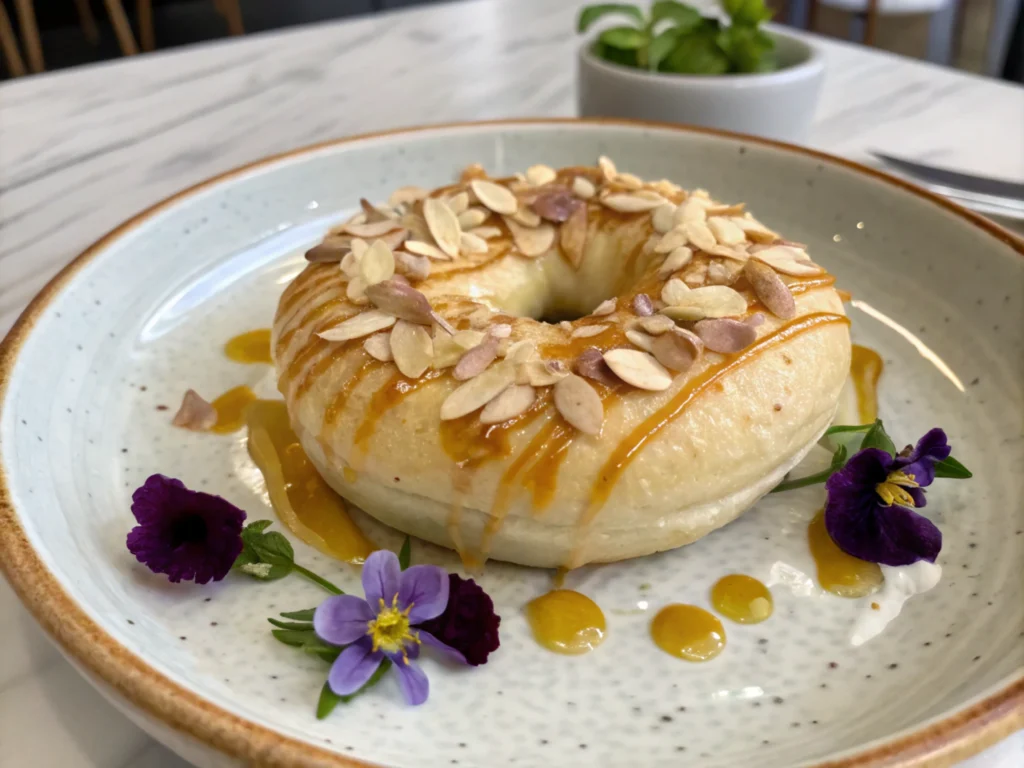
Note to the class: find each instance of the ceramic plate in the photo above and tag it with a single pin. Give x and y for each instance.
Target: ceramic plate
(144, 313)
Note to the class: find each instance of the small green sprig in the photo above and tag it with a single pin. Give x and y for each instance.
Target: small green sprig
(675, 38)
(268, 556)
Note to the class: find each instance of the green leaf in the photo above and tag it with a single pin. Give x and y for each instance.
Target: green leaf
(301, 626)
(953, 469)
(293, 637)
(660, 47)
(274, 548)
(748, 49)
(329, 699)
(405, 555)
(696, 55)
(317, 647)
(877, 438)
(592, 13)
(624, 38)
(836, 430)
(683, 17)
(615, 55)
(747, 12)
(839, 458)
(305, 615)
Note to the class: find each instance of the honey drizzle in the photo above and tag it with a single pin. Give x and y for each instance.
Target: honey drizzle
(397, 388)
(866, 369)
(628, 449)
(307, 285)
(249, 347)
(315, 312)
(337, 404)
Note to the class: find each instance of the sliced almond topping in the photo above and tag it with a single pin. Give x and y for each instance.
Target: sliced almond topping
(675, 292)
(673, 239)
(754, 229)
(556, 205)
(706, 301)
(787, 260)
(734, 252)
(770, 290)
(755, 319)
(726, 210)
(360, 325)
(531, 242)
(402, 301)
(443, 224)
(496, 197)
(689, 210)
(725, 231)
(195, 413)
(657, 324)
(446, 351)
(539, 175)
(356, 290)
(583, 187)
(629, 181)
(677, 350)
(724, 272)
(540, 373)
(522, 352)
(468, 339)
(700, 235)
(406, 195)
(475, 361)
(473, 217)
(676, 260)
(472, 171)
(662, 218)
(638, 369)
(588, 331)
(642, 305)
(695, 274)
(725, 335)
(640, 339)
(478, 391)
(526, 217)
(608, 169)
(350, 265)
(573, 237)
(426, 249)
(633, 203)
(375, 229)
(412, 348)
(377, 264)
(501, 330)
(378, 347)
(458, 203)
(566, 326)
(373, 213)
(509, 404)
(606, 307)
(331, 249)
(486, 233)
(579, 404)
(591, 364)
(413, 267)
(470, 243)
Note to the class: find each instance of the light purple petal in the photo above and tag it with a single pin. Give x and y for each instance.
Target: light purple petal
(342, 619)
(449, 653)
(413, 682)
(353, 668)
(381, 578)
(426, 588)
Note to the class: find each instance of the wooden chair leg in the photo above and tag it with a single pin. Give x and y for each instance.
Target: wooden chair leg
(812, 16)
(9, 45)
(871, 27)
(232, 15)
(122, 28)
(30, 35)
(144, 14)
(88, 21)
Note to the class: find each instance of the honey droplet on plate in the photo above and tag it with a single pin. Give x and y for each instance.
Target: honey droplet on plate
(566, 622)
(840, 573)
(230, 408)
(688, 632)
(250, 347)
(865, 370)
(742, 598)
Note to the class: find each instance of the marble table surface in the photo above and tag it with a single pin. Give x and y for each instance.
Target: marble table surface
(82, 150)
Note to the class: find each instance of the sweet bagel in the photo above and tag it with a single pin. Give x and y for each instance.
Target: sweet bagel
(561, 367)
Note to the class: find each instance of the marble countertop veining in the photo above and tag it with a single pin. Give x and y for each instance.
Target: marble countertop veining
(83, 150)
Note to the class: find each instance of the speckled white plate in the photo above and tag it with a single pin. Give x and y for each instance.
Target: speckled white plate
(143, 315)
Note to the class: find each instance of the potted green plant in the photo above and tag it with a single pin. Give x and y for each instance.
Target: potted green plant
(676, 64)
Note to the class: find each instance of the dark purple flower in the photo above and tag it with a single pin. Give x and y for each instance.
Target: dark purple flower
(384, 625)
(468, 625)
(871, 501)
(188, 535)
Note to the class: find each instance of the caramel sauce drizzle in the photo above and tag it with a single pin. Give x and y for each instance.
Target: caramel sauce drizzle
(866, 367)
(309, 282)
(397, 388)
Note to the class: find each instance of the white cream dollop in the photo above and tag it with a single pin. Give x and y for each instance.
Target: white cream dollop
(901, 583)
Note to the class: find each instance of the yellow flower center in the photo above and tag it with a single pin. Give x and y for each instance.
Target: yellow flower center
(892, 490)
(390, 630)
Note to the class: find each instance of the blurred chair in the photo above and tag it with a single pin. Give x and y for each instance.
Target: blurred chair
(872, 9)
(9, 45)
(229, 9)
(30, 29)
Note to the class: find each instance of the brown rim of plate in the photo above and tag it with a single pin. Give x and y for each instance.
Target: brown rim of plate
(936, 744)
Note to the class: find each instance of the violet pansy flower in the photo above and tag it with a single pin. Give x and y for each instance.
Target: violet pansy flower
(871, 502)
(384, 625)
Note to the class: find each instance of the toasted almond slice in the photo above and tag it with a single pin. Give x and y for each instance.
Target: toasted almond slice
(579, 404)
(458, 203)
(487, 233)
(413, 267)
(472, 171)
(375, 214)
(754, 229)
(640, 339)
(541, 373)
(412, 348)
(639, 369)
(725, 231)
(583, 187)
(629, 181)
(378, 347)
(509, 404)
(501, 330)
(755, 319)
(573, 237)
(531, 242)
(725, 335)
(357, 218)
(662, 218)
(470, 243)
(608, 169)
(606, 307)
(689, 210)
(468, 339)
(591, 364)
(357, 326)
(402, 301)
(350, 265)
(375, 229)
(718, 209)
(539, 175)
(700, 235)
(475, 361)
(770, 290)
(331, 249)
(443, 224)
(557, 204)
(724, 272)
(478, 391)
(677, 350)
(706, 301)
(522, 352)
(473, 217)
(656, 324)
(783, 258)
(195, 413)
(446, 351)
(733, 252)
(496, 197)
(588, 331)
(676, 260)
(426, 249)
(377, 264)
(526, 217)
(642, 305)
(356, 290)
(417, 226)
(406, 195)
(675, 292)
(673, 239)
(632, 203)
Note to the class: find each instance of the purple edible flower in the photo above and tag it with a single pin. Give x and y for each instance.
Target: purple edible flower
(384, 625)
(468, 625)
(185, 534)
(871, 501)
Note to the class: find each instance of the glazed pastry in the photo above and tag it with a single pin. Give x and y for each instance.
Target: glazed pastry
(558, 368)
